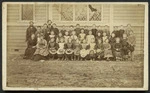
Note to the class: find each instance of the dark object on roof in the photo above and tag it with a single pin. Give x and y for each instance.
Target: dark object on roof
(92, 9)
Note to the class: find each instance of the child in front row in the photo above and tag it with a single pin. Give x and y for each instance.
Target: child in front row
(118, 49)
(66, 36)
(52, 47)
(91, 48)
(99, 49)
(61, 50)
(69, 50)
(107, 50)
(77, 48)
(84, 52)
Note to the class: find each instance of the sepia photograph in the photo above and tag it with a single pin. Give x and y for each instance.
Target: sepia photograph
(75, 46)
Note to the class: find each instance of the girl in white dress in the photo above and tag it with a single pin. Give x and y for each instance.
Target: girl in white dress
(82, 35)
(66, 36)
(61, 50)
(105, 37)
(89, 37)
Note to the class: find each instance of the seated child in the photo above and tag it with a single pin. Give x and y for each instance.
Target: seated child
(66, 36)
(52, 47)
(89, 37)
(99, 49)
(94, 30)
(73, 37)
(118, 49)
(61, 50)
(77, 48)
(132, 42)
(105, 37)
(91, 49)
(60, 35)
(84, 52)
(107, 50)
(52, 35)
(69, 50)
(125, 46)
(82, 35)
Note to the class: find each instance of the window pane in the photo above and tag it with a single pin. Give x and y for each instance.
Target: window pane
(80, 12)
(66, 12)
(95, 12)
(27, 12)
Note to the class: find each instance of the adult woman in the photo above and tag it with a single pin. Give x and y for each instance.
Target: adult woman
(41, 52)
(31, 47)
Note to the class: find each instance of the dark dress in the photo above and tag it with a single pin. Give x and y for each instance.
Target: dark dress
(125, 47)
(99, 50)
(69, 50)
(117, 50)
(29, 50)
(30, 30)
(112, 41)
(46, 33)
(94, 31)
(56, 31)
(86, 31)
(52, 48)
(63, 32)
(121, 32)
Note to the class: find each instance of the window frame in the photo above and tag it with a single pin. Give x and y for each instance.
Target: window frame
(87, 14)
(20, 13)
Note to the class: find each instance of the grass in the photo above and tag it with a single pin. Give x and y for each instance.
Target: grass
(28, 73)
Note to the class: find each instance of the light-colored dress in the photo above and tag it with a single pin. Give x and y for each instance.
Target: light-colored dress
(66, 38)
(82, 36)
(42, 48)
(104, 38)
(89, 38)
(61, 49)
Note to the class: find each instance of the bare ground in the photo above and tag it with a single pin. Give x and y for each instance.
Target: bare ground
(27, 73)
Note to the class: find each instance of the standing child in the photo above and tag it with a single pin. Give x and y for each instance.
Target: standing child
(92, 48)
(69, 50)
(60, 35)
(46, 32)
(82, 35)
(38, 33)
(52, 35)
(98, 36)
(99, 49)
(132, 42)
(73, 37)
(121, 31)
(125, 46)
(112, 41)
(105, 37)
(89, 37)
(52, 47)
(83, 51)
(118, 49)
(63, 30)
(61, 50)
(77, 48)
(94, 30)
(55, 29)
(77, 29)
(66, 36)
(107, 50)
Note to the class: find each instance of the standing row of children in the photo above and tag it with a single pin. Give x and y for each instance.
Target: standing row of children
(79, 43)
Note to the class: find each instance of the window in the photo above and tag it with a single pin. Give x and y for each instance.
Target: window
(66, 12)
(27, 12)
(81, 12)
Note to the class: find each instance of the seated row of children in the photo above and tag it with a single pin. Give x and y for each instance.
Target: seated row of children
(79, 44)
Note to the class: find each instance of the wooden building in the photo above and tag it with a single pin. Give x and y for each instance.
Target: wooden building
(111, 15)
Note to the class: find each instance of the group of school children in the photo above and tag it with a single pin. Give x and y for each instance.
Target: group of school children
(50, 43)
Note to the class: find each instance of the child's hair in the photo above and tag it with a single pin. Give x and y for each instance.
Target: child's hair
(38, 26)
(49, 21)
(71, 25)
(77, 24)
